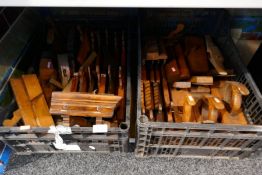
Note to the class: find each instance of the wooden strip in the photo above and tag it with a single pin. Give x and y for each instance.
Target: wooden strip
(182, 85)
(56, 83)
(183, 68)
(215, 56)
(40, 108)
(43, 117)
(85, 96)
(143, 111)
(89, 60)
(64, 68)
(200, 89)
(32, 86)
(14, 120)
(172, 71)
(148, 96)
(102, 84)
(23, 102)
(202, 80)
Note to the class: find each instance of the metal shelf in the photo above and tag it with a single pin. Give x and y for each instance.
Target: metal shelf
(136, 3)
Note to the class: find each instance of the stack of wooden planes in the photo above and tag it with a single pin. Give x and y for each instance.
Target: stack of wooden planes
(85, 88)
(184, 80)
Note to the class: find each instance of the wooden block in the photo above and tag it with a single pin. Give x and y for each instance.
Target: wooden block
(179, 28)
(79, 121)
(160, 114)
(84, 48)
(215, 56)
(202, 80)
(153, 52)
(182, 85)
(143, 73)
(14, 120)
(200, 89)
(165, 89)
(152, 73)
(83, 104)
(157, 74)
(74, 84)
(46, 69)
(102, 84)
(183, 68)
(32, 86)
(64, 68)
(179, 97)
(67, 88)
(82, 81)
(170, 116)
(196, 54)
(40, 108)
(23, 102)
(148, 96)
(156, 95)
(121, 93)
(238, 118)
(143, 111)
(89, 60)
(172, 71)
(56, 83)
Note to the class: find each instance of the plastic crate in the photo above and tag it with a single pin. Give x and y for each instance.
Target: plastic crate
(165, 139)
(39, 140)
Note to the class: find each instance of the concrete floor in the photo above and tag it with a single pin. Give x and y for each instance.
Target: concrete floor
(122, 164)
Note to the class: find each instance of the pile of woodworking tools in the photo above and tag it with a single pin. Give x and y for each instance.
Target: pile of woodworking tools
(184, 80)
(81, 80)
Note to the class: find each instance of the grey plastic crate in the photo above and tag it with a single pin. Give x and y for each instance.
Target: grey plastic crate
(38, 140)
(204, 140)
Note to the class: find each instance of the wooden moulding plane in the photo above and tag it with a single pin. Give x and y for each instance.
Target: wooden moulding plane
(33, 109)
(84, 104)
